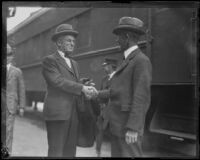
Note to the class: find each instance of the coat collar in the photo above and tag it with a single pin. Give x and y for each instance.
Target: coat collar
(62, 61)
(130, 50)
(127, 60)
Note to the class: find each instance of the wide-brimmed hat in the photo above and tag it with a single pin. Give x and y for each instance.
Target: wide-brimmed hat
(9, 50)
(64, 29)
(130, 24)
(109, 61)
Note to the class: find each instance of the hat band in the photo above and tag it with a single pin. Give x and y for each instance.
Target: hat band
(65, 32)
(129, 27)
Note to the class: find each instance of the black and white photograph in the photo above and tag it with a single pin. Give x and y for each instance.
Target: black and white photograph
(100, 79)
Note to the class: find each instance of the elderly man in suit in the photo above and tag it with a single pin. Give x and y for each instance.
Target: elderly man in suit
(129, 93)
(15, 96)
(61, 74)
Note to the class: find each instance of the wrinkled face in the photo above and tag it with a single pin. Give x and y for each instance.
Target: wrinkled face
(9, 55)
(66, 43)
(123, 41)
(9, 59)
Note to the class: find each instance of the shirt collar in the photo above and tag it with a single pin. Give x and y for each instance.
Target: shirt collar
(130, 50)
(111, 75)
(8, 66)
(67, 60)
(62, 54)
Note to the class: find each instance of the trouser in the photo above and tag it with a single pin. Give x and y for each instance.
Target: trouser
(10, 120)
(119, 147)
(101, 130)
(62, 137)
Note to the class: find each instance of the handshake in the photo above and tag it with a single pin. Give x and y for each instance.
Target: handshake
(88, 89)
(90, 92)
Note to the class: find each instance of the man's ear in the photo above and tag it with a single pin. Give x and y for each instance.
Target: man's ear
(58, 41)
(128, 37)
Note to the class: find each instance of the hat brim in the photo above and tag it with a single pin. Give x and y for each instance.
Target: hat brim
(55, 36)
(121, 28)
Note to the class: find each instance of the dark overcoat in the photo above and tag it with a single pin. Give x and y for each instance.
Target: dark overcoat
(64, 93)
(129, 94)
(62, 87)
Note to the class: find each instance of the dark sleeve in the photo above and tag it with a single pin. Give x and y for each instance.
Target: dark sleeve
(53, 77)
(21, 90)
(141, 95)
(104, 94)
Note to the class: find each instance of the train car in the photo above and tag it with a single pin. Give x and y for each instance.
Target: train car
(170, 43)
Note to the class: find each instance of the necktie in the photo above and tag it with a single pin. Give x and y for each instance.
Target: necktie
(67, 55)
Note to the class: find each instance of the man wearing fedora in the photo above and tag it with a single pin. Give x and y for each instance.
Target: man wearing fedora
(61, 74)
(15, 96)
(129, 93)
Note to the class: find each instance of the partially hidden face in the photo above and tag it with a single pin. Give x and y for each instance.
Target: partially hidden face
(122, 40)
(108, 69)
(67, 43)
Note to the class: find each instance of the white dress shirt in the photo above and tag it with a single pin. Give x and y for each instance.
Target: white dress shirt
(67, 60)
(8, 66)
(130, 50)
(126, 54)
(111, 75)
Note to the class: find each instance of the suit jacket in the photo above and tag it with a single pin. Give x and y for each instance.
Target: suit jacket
(62, 87)
(104, 85)
(103, 121)
(15, 90)
(129, 94)
(105, 82)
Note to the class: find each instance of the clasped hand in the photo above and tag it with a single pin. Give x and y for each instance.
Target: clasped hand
(90, 92)
(131, 137)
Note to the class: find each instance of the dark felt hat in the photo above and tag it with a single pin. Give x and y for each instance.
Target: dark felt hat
(130, 24)
(64, 29)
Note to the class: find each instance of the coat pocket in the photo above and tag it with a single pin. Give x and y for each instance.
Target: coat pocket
(125, 107)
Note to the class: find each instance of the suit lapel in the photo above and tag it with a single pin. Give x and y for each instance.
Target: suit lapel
(75, 69)
(62, 62)
(127, 60)
(9, 73)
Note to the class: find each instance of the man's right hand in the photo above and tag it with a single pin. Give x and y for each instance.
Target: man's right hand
(90, 92)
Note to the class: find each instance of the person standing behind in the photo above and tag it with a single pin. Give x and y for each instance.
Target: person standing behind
(109, 66)
(61, 74)
(15, 96)
(129, 94)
